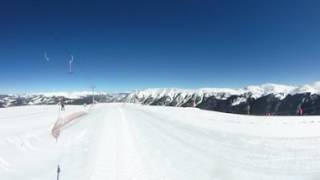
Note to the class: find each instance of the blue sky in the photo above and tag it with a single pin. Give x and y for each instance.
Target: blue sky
(123, 45)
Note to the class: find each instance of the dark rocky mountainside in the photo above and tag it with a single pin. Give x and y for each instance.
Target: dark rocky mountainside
(256, 100)
(246, 103)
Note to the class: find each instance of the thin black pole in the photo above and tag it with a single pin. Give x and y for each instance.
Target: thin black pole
(58, 172)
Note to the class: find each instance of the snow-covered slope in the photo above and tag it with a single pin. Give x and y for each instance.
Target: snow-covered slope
(126, 141)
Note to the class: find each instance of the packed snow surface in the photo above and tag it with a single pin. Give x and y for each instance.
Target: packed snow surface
(127, 141)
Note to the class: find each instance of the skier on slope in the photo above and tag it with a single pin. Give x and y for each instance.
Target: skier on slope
(300, 111)
(62, 104)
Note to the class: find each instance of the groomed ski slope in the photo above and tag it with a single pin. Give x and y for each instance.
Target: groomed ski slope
(126, 141)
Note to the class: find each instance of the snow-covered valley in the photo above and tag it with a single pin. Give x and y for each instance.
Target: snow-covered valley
(128, 141)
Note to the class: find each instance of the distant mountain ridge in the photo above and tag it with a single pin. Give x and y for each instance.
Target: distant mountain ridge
(257, 100)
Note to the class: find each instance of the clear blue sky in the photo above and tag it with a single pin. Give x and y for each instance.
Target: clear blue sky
(121, 45)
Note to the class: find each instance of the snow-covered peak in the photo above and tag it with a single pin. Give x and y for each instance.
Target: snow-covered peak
(71, 95)
(171, 92)
(256, 91)
(265, 89)
(313, 88)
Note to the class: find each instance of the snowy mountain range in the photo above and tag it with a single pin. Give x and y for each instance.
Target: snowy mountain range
(258, 100)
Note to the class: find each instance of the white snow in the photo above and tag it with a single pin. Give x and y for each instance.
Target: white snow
(312, 88)
(128, 141)
(280, 90)
(173, 92)
(239, 100)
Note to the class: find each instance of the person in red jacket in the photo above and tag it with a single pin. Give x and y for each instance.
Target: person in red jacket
(300, 111)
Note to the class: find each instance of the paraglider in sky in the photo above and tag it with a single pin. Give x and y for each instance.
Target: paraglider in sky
(70, 65)
(46, 57)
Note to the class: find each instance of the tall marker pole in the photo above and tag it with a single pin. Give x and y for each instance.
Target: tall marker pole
(93, 87)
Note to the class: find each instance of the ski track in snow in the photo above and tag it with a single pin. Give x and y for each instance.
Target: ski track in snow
(135, 142)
